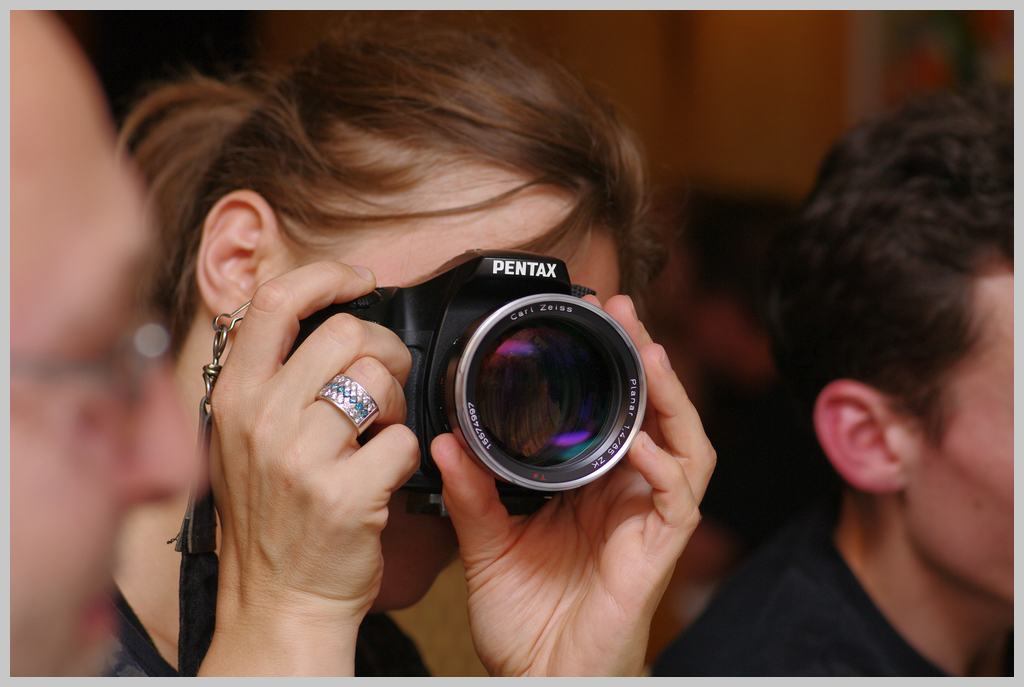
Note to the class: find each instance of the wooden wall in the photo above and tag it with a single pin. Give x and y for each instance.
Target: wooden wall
(743, 102)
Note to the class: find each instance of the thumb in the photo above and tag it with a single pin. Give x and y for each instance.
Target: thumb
(471, 497)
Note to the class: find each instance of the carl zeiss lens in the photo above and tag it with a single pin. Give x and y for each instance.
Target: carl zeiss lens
(545, 392)
(548, 392)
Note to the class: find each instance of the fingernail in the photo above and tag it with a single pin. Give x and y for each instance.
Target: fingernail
(632, 308)
(664, 359)
(363, 272)
(645, 441)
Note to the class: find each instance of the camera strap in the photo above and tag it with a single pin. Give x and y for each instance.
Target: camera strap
(197, 539)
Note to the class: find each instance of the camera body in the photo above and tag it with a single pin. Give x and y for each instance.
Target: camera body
(543, 389)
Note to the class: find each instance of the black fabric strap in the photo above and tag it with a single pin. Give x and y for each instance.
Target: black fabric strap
(197, 581)
(197, 594)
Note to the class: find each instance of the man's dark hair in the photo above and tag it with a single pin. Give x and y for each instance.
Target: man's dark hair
(873, 281)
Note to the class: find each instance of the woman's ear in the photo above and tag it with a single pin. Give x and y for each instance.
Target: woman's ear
(865, 440)
(241, 247)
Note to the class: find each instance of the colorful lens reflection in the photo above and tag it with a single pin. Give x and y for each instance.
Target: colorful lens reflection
(544, 393)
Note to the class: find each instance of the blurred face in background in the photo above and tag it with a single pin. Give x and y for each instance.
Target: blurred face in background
(92, 433)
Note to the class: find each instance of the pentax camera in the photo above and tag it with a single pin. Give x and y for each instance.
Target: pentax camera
(543, 389)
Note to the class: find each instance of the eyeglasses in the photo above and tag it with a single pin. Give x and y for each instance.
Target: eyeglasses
(123, 370)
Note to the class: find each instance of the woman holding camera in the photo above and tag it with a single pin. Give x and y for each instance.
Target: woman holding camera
(371, 162)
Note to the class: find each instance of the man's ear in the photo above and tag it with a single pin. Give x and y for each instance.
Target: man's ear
(863, 437)
(241, 247)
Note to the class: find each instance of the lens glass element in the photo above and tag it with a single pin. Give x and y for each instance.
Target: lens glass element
(544, 392)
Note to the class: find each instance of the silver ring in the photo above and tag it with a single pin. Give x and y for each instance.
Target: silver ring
(352, 399)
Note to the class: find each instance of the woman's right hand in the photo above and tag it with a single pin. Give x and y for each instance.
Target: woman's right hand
(301, 504)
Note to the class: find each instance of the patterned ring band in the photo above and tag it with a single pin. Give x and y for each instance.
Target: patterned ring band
(351, 398)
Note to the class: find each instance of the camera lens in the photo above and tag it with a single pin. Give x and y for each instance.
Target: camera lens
(544, 392)
(547, 392)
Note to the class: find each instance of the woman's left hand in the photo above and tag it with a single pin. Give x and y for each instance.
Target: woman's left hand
(571, 589)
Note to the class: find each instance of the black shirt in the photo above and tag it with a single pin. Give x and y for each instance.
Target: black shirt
(382, 649)
(794, 608)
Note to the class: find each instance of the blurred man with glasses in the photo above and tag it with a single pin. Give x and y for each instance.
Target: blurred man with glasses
(96, 424)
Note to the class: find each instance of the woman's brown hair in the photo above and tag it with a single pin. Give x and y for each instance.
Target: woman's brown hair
(338, 138)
